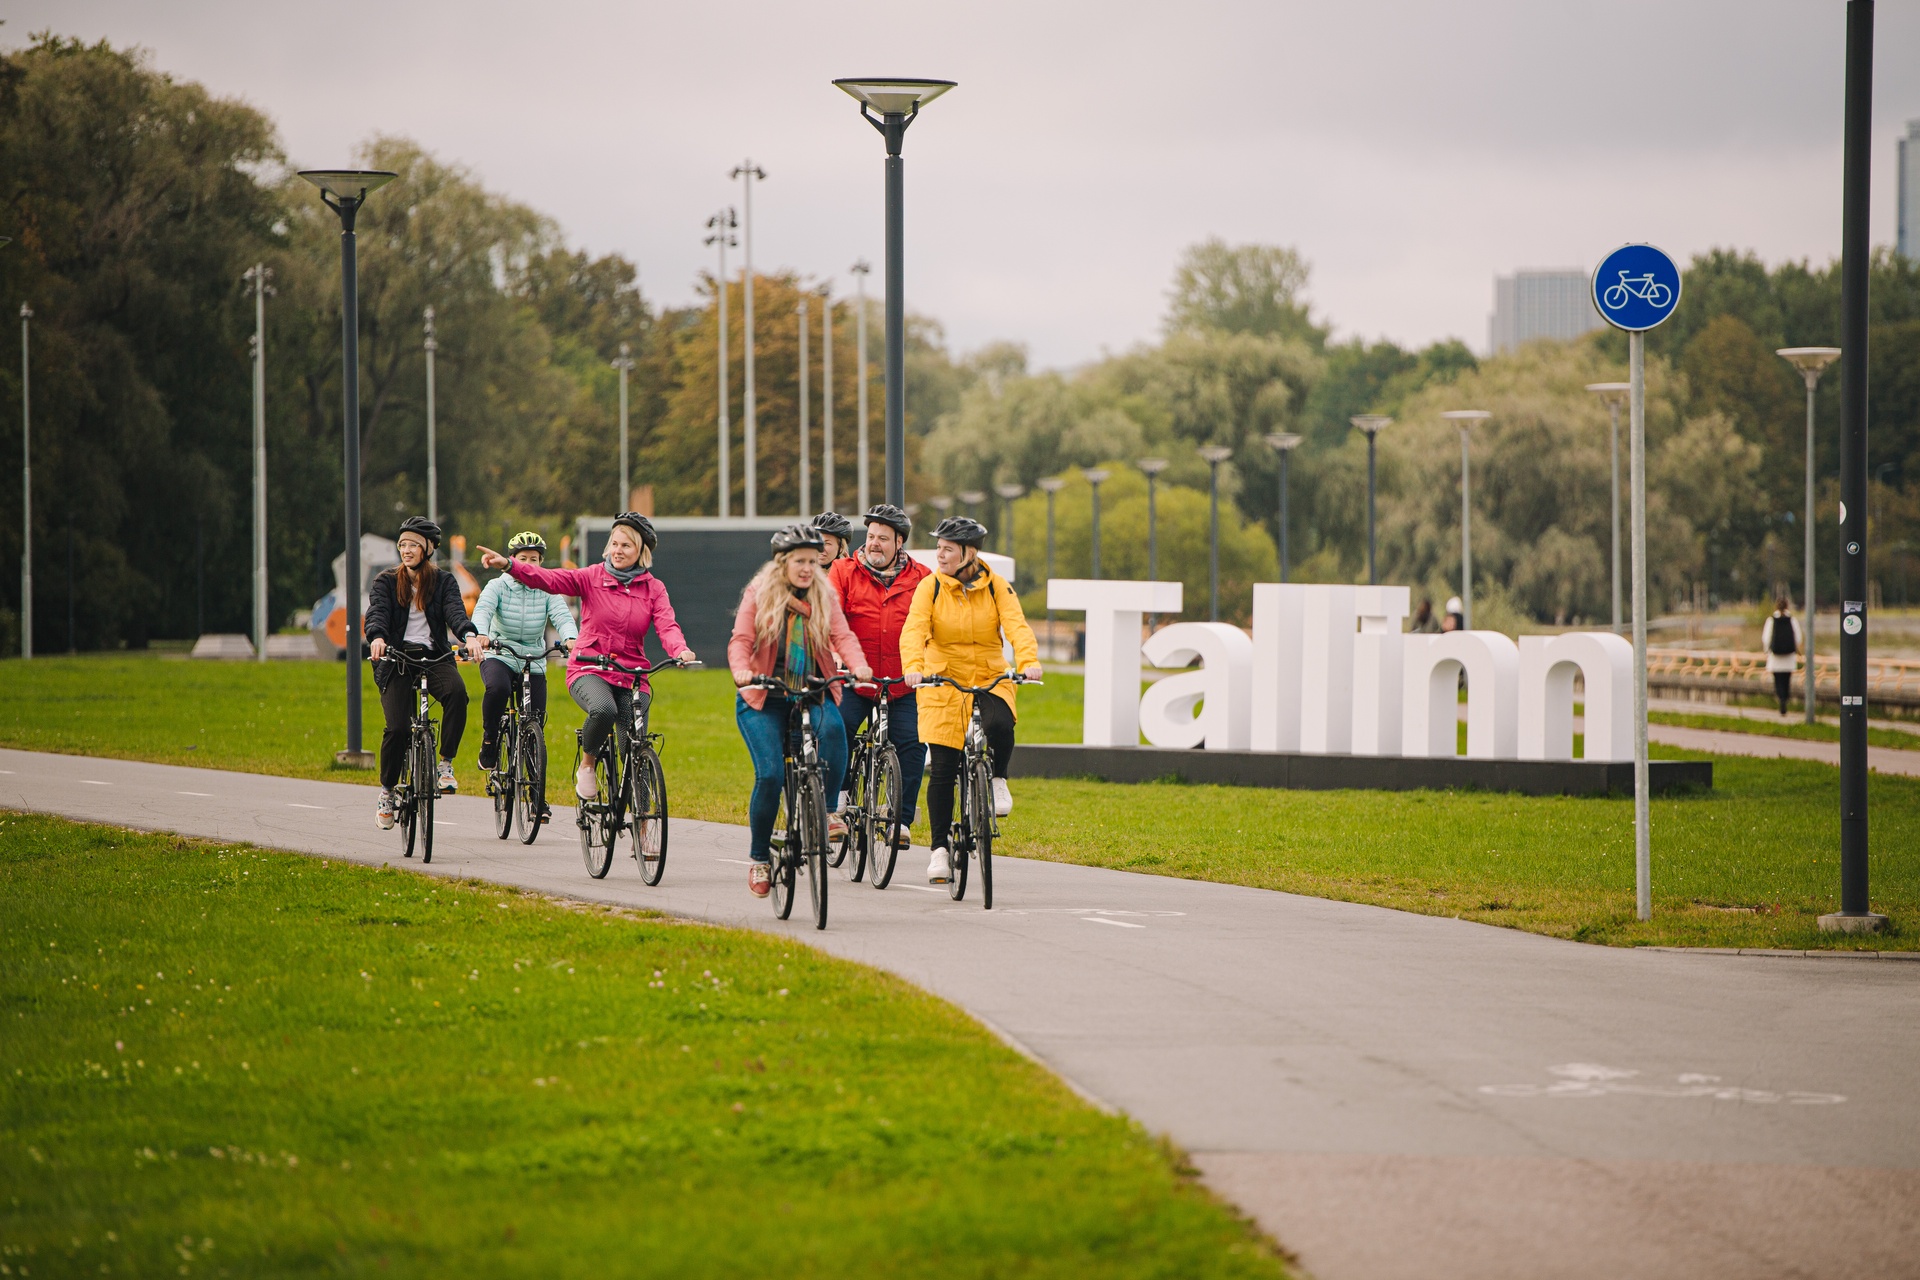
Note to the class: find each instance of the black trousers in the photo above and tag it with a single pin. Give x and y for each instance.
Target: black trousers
(943, 765)
(497, 676)
(396, 700)
(1783, 688)
(608, 707)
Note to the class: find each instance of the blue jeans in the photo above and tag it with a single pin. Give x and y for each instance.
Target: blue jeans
(765, 733)
(903, 730)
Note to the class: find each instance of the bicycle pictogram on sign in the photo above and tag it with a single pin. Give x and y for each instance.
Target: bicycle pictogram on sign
(1636, 288)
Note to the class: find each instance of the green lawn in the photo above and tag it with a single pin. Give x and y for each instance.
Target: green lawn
(226, 1061)
(1897, 739)
(1750, 864)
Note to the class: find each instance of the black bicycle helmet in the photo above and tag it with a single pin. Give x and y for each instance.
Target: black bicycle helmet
(640, 525)
(798, 537)
(891, 516)
(424, 527)
(834, 523)
(964, 530)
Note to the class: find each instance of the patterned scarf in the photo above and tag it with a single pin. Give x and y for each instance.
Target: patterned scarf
(797, 663)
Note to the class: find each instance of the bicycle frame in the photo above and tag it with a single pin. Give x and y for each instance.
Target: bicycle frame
(803, 773)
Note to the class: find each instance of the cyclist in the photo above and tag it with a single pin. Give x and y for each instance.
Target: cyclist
(876, 586)
(789, 626)
(620, 601)
(517, 615)
(837, 531)
(411, 607)
(955, 628)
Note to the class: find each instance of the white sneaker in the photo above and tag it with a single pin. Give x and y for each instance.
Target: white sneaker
(443, 774)
(585, 785)
(383, 815)
(940, 869)
(1002, 798)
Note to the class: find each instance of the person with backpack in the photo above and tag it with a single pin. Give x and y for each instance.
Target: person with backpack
(1780, 637)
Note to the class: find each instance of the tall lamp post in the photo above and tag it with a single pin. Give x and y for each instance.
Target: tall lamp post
(1811, 362)
(26, 484)
(1615, 395)
(624, 363)
(1215, 454)
(259, 275)
(826, 397)
(806, 434)
(860, 270)
(1151, 469)
(1464, 419)
(972, 498)
(431, 345)
(898, 103)
(1095, 475)
(1008, 493)
(748, 172)
(1283, 443)
(344, 191)
(721, 234)
(1051, 486)
(1373, 424)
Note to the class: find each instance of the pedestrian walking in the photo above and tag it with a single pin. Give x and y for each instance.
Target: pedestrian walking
(1780, 637)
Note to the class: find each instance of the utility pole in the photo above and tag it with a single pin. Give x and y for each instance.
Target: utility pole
(26, 487)
(259, 275)
(826, 395)
(806, 475)
(433, 453)
(748, 172)
(624, 364)
(860, 270)
(722, 225)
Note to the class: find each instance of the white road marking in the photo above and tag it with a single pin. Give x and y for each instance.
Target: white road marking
(442, 822)
(297, 805)
(90, 782)
(204, 795)
(1118, 924)
(738, 862)
(1591, 1080)
(921, 888)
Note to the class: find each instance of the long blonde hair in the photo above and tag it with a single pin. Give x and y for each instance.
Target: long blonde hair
(769, 594)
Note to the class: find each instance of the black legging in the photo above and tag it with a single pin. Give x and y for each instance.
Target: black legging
(498, 677)
(396, 700)
(1783, 688)
(943, 765)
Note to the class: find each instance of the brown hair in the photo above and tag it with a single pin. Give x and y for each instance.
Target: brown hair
(406, 580)
(1783, 606)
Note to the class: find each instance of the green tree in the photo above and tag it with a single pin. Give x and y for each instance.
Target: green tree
(1246, 288)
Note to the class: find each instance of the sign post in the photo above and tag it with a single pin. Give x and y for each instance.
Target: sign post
(1636, 288)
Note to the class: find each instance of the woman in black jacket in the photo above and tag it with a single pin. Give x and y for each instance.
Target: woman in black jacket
(412, 607)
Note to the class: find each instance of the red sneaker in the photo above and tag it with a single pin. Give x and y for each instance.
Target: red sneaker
(759, 879)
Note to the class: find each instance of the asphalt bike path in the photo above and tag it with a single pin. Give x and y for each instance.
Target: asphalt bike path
(1388, 1094)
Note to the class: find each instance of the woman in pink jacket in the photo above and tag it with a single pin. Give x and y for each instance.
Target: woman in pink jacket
(790, 627)
(620, 600)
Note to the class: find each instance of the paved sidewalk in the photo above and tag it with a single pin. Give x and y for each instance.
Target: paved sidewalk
(1727, 742)
(1389, 1094)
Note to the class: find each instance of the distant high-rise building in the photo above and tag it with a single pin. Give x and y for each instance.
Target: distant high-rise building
(1540, 304)
(1909, 229)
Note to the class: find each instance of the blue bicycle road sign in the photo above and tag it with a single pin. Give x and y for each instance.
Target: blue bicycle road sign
(1636, 288)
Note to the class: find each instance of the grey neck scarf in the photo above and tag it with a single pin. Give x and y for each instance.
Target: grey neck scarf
(624, 577)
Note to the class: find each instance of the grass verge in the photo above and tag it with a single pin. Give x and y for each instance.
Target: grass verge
(1897, 739)
(220, 1060)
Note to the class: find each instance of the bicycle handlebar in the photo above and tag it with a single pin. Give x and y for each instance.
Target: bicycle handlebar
(606, 663)
(1012, 676)
(501, 646)
(815, 684)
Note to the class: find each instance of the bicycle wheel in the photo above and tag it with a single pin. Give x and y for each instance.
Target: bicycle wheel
(983, 831)
(649, 822)
(815, 815)
(786, 858)
(504, 785)
(853, 809)
(1614, 297)
(883, 818)
(962, 836)
(405, 809)
(532, 768)
(597, 822)
(426, 789)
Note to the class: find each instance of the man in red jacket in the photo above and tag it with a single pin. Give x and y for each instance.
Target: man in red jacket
(876, 585)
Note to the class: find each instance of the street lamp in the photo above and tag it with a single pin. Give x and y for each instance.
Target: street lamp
(1811, 362)
(1215, 454)
(26, 486)
(722, 225)
(898, 103)
(1373, 424)
(860, 270)
(258, 274)
(344, 191)
(973, 498)
(624, 363)
(1094, 477)
(806, 434)
(432, 345)
(1050, 486)
(826, 398)
(1008, 492)
(748, 172)
(1615, 394)
(1283, 443)
(1151, 469)
(1464, 419)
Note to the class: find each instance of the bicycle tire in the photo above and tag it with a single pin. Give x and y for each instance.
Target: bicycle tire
(883, 820)
(533, 781)
(784, 860)
(814, 810)
(597, 833)
(505, 780)
(428, 793)
(983, 836)
(853, 808)
(406, 811)
(1614, 297)
(649, 825)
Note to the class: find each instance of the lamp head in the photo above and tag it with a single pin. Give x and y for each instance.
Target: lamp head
(345, 190)
(972, 497)
(1810, 361)
(1214, 454)
(1050, 485)
(941, 504)
(1284, 440)
(1010, 491)
(897, 99)
(1371, 423)
(1095, 475)
(1611, 392)
(1152, 466)
(1464, 418)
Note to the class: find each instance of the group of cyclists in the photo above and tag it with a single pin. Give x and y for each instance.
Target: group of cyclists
(864, 613)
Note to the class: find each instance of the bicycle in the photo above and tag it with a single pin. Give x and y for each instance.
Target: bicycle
(872, 806)
(413, 798)
(633, 784)
(805, 797)
(1615, 296)
(974, 832)
(518, 780)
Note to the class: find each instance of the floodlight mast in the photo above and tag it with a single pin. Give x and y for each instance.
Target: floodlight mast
(898, 102)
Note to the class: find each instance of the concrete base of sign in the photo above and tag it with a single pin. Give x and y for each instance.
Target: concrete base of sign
(226, 647)
(355, 759)
(1866, 922)
(1290, 770)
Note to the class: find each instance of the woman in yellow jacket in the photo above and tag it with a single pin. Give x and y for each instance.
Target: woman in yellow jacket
(954, 628)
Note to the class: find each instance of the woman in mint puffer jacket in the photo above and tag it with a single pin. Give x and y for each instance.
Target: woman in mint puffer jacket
(516, 614)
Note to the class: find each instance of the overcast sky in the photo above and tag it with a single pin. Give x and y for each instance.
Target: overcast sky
(1410, 150)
